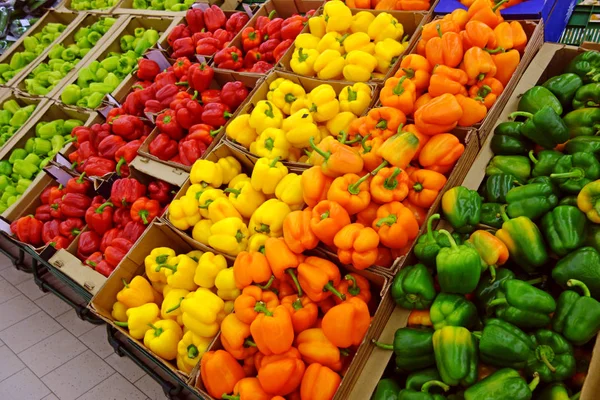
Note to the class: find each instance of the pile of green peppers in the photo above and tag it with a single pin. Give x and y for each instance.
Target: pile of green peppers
(13, 117)
(169, 5)
(34, 45)
(46, 76)
(23, 164)
(80, 5)
(102, 77)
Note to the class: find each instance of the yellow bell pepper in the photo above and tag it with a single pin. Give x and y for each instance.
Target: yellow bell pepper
(271, 143)
(180, 272)
(229, 236)
(332, 41)
(289, 190)
(268, 218)
(158, 296)
(387, 52)
(230, 168)
(303, 61)
(207, 173)
(265, 115)
(329, 64)
(300, 127)
(162, 338)
(299, 105)
(158, 256)
(200, 309)
(385, 26)
(136, 293)
(195, 190)
(171, 306)
(183, 212)
(295, 154)
(222, 208)
(359, 66)
(225, 284)
(359, 41)
(190, 349)
(355, 98)
(201, 231)
(308, 40)
(208, 267)
(245, 199)
(285, 94)
(267, 174)
(207, 197)
(361, 21)
(195, 255)
(275, 84)
(240, 131)
(340, 123)
(159, 286)
(138, 319)
(317, 26)
(238, 179)
(257, 241)
(337, 16)
(119, 312)
(323, 101)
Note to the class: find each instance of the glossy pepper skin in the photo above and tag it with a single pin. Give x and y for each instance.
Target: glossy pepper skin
(564, 87)
(126, 191)
(508, 140)
(423, 393)
(564, 229)
(586, 144)
(413, 287)
(580, 265)
(583, 122)
(505, 384)
(538, 97)
(458, 267)
(544, 164)
(545, 127)
(497, 186)
(453, 310)
(428, 246)
(587, 96)
(413, 348)
(455, 355)
(220, 372)
(387, 389)
(577, 317)
(517, 166)
(584, 65)
(532, 200)
(502, 344)
(462, 208)
(553, 357)
(575, 171)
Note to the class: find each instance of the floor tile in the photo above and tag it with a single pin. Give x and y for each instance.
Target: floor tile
(114, 388)
(97, 341)
(151, 388)
(52, 352)
(23, 385)
(30, 331)
(71, 322)
(5, 262)
(15, 276)
(53, 305)
(30, 289)
(15, 310)
(125, 367)
(51, 396)
(7, 291)
(89, 370)
(10, 363)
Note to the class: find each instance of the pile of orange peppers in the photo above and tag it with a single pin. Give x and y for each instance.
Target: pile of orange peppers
(403, 5)
(460, 66)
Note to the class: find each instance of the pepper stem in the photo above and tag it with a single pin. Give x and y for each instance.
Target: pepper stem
(262, 307)
(391, 182)
(430, 227)
(389, 220)
(543, 357)
(496, 50)
(269, 112)
(536, 380)
(503, 213)
(157, 331)
(410, 73)
(170, 310)
(536, 281)
(121, 324)
(492, 269)
(477, 334)
(399, 89)
(124, 283)
(418, 187)
(383, 346)
(249, 343)
(290, 271)
(192, 351)
(161, 259)
(230, 397)
(576, 173)
(453, 244)
(532, 157)
(81, 178)
(497, 302)
(234, 191)
(520, 114)
(427, 385)
(172, 268)
(274, 162)
(353, 289)
(335, 292)
(144, 216)
(581, 285)
(320, 152)
(354, 188)
(364, 145)
(268, 284)
(495, 8)
(297, 304)
(382, 165)
(102, 206)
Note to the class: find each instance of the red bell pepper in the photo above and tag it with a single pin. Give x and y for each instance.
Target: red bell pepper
(214, 18)
(160, 191)
(183, 47)
(78, 185)
(42, 213)
(55, 211)
(153, 107)
(126, 154)
(181, 66)
(262, 22)
(163, 147)
(121, 217)
(97, 200)
(104, 268)
(236, 22)
(98, 166)
(251, 38)
(147, 69)
(50, 230)
(164, 78)
(128, 127)
(200, 76)
(29, 230)
(59, 242)
(144, 210)
(86, 150)
(223, 37)
(216, 114)
(252, 57)
(56, 192)
(166, 123)
(109, 145)
(195, 19)
(81, 134)
(45, 196)
(267, 48)
(94, 259)
(117, 250)
(99, 217)
(126, 191)
(229, 58)
(74, 205)
(203, 133)
(178, 32)
(188, 113)
(71, 227)
(190, 150)
(196, 37)
(292, 26)
(211, 96)
(99, 132)
(261, 67)
(233, 94)
(109, 236)
(132, 231)
(89, 243)
(281, 49)
(273, 29)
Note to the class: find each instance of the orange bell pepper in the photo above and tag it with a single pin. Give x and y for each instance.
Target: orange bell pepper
(324, 305)
(398, 150)
(351, 192)
(251, 295)
(446, 49)
(510, 35)
(282, 260)
(419, 318)
(285, 287)
(385, 4)
(399, 93)
(328, 217)
(478, 64)
(315, 185)
(248, 367)
(357, 129)
(440, 115)
(424, 187)
(487, 91)
(486, 12)
(281, 374)
(316, 348)
(368, 215)
(389, 184)
(335, 158)
(303, 311)
(412, 5)
(251, 267)
(354, 285)
(357, 245)
(447, 80)
(358, 3)
(384, 121)
(248, 389)
(423, 99)
(438, 27)
(492, 250)
(346, 324)
(417, 69)
(368, 151)
(419, 212)
(234, 335)
(297, 233)
(319, 383)
(459, 16)
(318, 278)
(395, 225)
(272, 331)
(422, 140)
(506, 64)
(441, 153)
(220, 372)
(384, 258)
(474, 111)
(421, 44)
(478, 34)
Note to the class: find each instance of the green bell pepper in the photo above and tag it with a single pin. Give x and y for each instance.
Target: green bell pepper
(586, 65)
(22, 185)
(574, 171)
(592, 236)
(70, 124)
(387, 389)
(455, 355)
(29, 145)
(47, 131)
(25, 169)
(531, 200)
(583, 122)
(544, 164)
(94, 100)
(586, 144)
(126, 42)
(11, 106)
(553, 358)
(564, 87)
(458, 267)
(517, 166)
(508, 140)
(4, 182)
(70, 94)
(45, 162)
(536, 98)
(31, 158)
(564, 229)
(423, 394)
(505, 384)
(582, 265)
(557, 391)
(568, 201)
(141, 47)
(453, 310)
(413, 288)
(577, 317)
(428, 246)
(21, 116)
(502, 344)
(110, 63)
(413, 348)
(462, 208)
(497, 186)
(42, 146)
(17, 154)
(416, 380)
(491, 215)
(545, 127)
(522, 304)
(5, 117)
(5, 168)
(587, 96)
(93, 37)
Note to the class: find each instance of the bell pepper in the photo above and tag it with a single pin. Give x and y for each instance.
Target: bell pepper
(180, 272)
(359, 66)
(221, 208)
(225, 284)
(244, 198)
(544, 164)
(229, 235)
(462, 208)
(163, 337)
(493, 251)
(252, 295)
(497, 186)
(272, 331)
(315, 185)
(300, 127)
(183, 212)
(455, 354)
(531, 200)
(144, 210)
(216, 114)
(517, 166)
(347, 323)
(416, 380)
(508, 140)
(267, 174)
(505, 383)
(395, 225)
(170, 307)
(428, 246)
(199, 312)
(270, 370)
(190, 350)
(89, 242)
(315, 347)
(335, 158)
(553, 359)
(136, 293)
(328, 218)
(199, 76)
(220, 372)
(234, 337)
(117, 250)
(413, 348)
(99, 217)
(318, 278)
(355, 98)
(233, 94)
(138, 319)
(297, 233)
(538, 125)
(564, 87)
(586, 201)
(564, 229)
(537, 98)
(357, 245)
(264, 116)
(271, 143)
(351, 192)
(413, 288)
(439, 115)
(578, 265)
(269, 218)
(229, 58)
(323, 103)
(458, 267)
(74, 205)
(453, 310)
(126, 191)
(303, 61)
(575, 171)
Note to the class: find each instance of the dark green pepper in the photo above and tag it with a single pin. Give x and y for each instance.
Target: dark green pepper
(458, 267)
(487, 289)
(455, 355)
(545, 127)
(586, 65)
(564, 229)
(568, 201)
(536, 98)
(508, 140)
(491, 214)
(453, 310)
(577, 317)
(416, 380)
(553, 357)
(556, 391)
(505, 384)
(517, 166)
(583, 122)
(587, 96)
(497, 186)
(544, 164)
(387, 389)
(423, 394)
(581, 264)
(564, 87)
(413, 348)
(586, 144)
(502, 344)
(462, 208)
(574, 171)
(413, 287)
(532, 200)
(592, 236)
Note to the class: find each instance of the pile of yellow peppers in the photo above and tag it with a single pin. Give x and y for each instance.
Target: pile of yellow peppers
(285, 124)
(340, 45)
(232, 212)
(178, 307)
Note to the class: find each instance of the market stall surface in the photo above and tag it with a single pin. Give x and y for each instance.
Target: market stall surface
(48, 353)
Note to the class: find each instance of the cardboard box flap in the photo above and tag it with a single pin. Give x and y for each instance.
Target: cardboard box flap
(71, 266)
(174, 176)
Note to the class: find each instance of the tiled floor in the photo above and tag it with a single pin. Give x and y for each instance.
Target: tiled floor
(46, 352)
